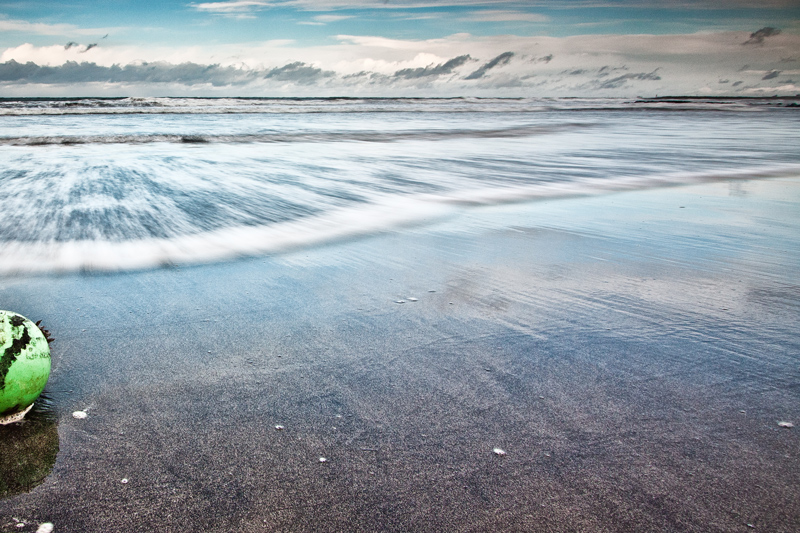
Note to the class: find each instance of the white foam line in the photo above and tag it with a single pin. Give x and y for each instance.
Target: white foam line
(217, 245)
(596, 186)
(362, 220)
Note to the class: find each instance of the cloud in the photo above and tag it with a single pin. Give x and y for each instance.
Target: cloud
(438, 70)
(324, 5)
(72, 72)
(757, 37)
(606, 70)
(40, 28)
(232, 6)
(321, 20)
(383, 42)
(331, 18)
(497, 15)
(419, 16)
(298, 72)
(771, 75)
(620, 81)
(502, 59)
(36, 27)
(456, 65)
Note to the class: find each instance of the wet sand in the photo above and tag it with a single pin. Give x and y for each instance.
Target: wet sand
(632, 354)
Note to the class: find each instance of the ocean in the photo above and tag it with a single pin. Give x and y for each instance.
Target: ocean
(130, 183)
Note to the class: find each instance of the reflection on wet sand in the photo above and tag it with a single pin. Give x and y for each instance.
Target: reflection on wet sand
(29, 449)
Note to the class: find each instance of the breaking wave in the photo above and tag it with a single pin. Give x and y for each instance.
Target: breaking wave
(223, 105)
(114, 192)
(306, 137)
(223, 243)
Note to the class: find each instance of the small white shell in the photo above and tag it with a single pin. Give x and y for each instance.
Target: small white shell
(785, 424)
(279, 427)
(124, 480)
(399, 301)
(46, 527)
(80, 415)
(412, 299)
(322, 460)
(499, 451)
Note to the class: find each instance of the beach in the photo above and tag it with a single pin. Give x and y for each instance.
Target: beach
(615, 362)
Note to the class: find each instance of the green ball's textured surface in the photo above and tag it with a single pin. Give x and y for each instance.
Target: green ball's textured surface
(24, 362)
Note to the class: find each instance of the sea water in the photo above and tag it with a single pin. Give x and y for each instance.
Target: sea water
(129, 183)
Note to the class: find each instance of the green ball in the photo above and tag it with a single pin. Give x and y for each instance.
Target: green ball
(24, 363)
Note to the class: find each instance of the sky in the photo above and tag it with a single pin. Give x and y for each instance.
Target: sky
(534, 48)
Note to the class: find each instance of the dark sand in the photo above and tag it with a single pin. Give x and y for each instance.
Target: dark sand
(632, 353)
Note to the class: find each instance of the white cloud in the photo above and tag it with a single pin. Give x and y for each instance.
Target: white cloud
(40, 28)
(226, 6)
(321, 20)
(781, 89)
(227, 55)
(496, 15)
(331, 18)
(461, 64)
(232, 6)
(419, 16)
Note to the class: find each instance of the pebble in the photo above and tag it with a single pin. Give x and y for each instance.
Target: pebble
(412, 299)
(399, 301)
(80, 415)
(499, 451)
(46, 527)
(322, 460)
(785, 424)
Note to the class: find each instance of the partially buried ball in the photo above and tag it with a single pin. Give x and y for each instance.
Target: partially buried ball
(24, 365)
